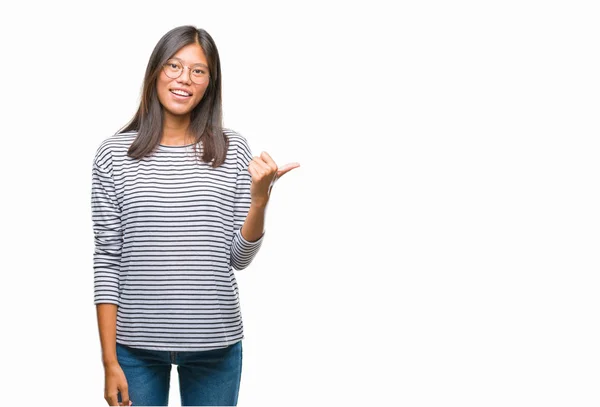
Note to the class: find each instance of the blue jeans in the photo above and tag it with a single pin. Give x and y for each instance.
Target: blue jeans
(206, 378)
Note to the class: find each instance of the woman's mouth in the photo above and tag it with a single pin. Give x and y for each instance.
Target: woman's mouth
(180, 93)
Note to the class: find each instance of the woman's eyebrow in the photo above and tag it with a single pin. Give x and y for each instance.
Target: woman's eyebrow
(197, 63)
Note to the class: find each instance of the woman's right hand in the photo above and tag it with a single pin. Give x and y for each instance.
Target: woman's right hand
(114, 383)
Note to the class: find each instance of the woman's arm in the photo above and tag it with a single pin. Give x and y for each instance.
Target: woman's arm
(264, 173)
(108, 239)
(255, 179)
(254, 225)
(114, 377)
(107, 328)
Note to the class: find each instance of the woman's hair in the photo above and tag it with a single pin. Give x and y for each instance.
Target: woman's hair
(206, 120)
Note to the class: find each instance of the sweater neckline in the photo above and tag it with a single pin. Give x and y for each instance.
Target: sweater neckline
(176, 147)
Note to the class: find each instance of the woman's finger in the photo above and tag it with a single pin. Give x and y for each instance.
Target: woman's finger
(125, 397)
(268, 160)
(286, 168)
(112, 399)
(252, 169)
(261, 164)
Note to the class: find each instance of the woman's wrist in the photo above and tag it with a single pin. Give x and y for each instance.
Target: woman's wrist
(258, 203)
(111, 361)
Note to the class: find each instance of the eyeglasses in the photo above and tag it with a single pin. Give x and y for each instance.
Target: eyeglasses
(174, 68)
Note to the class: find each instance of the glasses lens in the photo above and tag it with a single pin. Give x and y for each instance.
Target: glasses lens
(173, 69)
(199, 75)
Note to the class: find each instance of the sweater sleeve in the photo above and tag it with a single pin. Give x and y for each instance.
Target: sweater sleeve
(108, 237)
(242, 250)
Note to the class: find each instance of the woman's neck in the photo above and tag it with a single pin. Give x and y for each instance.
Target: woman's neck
(176, 131)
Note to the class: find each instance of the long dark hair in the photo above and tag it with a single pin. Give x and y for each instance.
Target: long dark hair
(206, 120)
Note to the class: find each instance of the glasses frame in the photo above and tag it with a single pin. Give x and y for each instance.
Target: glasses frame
(164, 67)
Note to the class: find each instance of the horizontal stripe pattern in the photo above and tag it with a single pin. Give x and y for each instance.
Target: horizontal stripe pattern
(167, 240)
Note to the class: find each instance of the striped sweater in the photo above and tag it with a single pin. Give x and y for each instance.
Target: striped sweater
(167, 238)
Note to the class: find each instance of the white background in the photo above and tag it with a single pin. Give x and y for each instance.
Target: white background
(438, 245)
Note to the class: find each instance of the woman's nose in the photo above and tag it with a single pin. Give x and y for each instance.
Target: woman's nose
(185, 75)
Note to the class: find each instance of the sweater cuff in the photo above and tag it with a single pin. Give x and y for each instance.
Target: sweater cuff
(246, 244)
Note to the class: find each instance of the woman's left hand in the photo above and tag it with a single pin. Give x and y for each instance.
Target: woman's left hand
(265, 173)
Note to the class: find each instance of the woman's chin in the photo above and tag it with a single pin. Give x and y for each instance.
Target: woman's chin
(177, 112)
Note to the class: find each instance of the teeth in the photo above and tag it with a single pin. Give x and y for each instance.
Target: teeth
(180, 93)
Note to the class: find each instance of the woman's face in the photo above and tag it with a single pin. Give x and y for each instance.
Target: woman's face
(181, 95)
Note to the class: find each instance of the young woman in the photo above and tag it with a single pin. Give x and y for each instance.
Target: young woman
(178, 202)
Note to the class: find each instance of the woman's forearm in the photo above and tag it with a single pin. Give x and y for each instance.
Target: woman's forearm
(254, 224)
(107, 328)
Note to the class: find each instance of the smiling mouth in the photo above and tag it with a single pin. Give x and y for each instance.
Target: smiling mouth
(181, 93)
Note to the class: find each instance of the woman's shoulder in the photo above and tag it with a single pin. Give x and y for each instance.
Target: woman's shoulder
(238, 142)
(234, 137)
(115, 144)
(239, 147)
